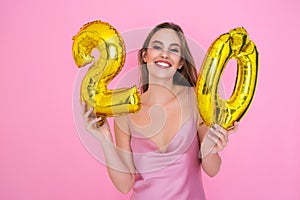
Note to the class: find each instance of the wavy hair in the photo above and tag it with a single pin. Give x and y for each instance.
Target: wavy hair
(186, 75)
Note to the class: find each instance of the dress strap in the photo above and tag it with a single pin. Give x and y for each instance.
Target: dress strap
(129, 123)
(189, 100)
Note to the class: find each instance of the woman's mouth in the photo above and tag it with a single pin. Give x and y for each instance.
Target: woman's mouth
(163, 64)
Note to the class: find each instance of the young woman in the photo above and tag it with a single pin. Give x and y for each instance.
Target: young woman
(156, 150)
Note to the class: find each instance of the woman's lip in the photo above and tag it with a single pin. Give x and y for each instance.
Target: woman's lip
(163, 64)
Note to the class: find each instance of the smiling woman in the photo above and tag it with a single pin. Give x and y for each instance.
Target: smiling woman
(162, 140)
(186, 76)
(163, 56)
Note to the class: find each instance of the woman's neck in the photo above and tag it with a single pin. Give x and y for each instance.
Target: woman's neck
(160, 93)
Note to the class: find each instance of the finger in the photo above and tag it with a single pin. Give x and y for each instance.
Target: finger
(83, 108)
(95, 121)
(224, 139)
(233, 129)
(215, 132)
(236, 126)
(213, 137)
(88, 113)
(220, 145)
(221, 134)
(219, 128)
(92, 125)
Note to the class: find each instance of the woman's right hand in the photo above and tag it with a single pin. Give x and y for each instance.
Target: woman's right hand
(92, 125)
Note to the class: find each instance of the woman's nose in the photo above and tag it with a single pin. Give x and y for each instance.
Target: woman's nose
(164, 53)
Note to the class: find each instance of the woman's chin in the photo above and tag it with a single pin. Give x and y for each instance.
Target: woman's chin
(162, 78)
(161, 72)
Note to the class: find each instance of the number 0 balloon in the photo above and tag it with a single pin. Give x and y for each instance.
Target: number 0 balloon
(213, 109)
(107, 40)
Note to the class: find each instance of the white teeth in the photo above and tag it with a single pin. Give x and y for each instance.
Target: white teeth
(163, 64)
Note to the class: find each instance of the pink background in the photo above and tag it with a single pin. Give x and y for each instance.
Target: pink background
(41, 154)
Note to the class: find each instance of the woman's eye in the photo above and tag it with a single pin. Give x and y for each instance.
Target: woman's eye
(174, 50)
(156, 47)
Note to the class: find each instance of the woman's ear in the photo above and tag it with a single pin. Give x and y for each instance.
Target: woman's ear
(144, 56)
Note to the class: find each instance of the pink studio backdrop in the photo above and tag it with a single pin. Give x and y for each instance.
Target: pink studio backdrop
(41, 154)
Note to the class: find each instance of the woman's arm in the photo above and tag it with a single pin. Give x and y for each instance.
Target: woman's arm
(211, 163)
(118, 157)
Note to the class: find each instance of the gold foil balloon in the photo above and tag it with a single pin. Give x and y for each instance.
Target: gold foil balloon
(107, 40)
(233, 45)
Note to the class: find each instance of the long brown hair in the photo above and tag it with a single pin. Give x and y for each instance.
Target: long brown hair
(186, 75)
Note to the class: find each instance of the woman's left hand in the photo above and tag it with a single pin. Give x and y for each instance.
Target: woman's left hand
(220, 136)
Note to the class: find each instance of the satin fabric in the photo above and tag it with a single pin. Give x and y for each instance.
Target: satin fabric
(173, 174)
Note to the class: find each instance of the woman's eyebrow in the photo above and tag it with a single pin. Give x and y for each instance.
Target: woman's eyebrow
(173, 44)
(157, 41)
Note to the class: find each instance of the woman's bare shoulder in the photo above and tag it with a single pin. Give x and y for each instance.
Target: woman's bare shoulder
(181, 90)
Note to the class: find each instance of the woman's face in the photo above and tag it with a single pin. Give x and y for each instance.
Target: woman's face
(163, 56)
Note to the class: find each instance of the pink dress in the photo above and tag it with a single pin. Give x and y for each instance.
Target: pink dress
(174, 174)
